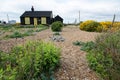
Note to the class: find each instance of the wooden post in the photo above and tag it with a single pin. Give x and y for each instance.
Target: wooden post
(113, 20)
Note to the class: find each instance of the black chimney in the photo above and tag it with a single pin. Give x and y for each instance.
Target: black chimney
(32, 9)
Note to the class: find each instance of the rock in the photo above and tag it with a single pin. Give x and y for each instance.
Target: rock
(62, 39)
(57, 38)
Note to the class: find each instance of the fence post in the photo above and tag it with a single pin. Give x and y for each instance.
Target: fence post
(113, 21)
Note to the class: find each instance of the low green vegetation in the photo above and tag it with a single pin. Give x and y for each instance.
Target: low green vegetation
(104, 55)
(20, 35)
(19, 27)
(57, 26)
(16, 35)
(56, 33)
(41, 29)
(5, 27)
(35, 60)
(85, 46)
(12, 31)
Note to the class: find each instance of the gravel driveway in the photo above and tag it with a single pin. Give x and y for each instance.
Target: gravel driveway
(73, 61)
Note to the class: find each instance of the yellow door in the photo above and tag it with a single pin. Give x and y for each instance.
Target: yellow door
(27, 20)
(35, 21)
(43, 20)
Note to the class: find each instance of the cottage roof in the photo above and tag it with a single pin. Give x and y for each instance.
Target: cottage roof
(58, 17)
(37, 14)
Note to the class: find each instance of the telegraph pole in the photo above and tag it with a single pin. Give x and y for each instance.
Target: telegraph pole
(79, 16)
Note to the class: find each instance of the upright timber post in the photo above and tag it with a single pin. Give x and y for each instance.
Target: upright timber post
(113, 20)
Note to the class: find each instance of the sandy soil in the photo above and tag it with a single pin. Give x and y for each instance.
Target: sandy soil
(73, 61)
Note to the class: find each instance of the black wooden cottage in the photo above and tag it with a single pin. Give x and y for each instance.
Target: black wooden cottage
(38, 17)
(58, 18)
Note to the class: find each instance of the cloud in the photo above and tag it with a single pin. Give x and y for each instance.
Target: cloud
(68, 9)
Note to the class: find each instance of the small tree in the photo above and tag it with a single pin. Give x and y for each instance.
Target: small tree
(57, 26)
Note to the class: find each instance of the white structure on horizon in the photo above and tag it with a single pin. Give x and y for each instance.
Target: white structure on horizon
(12, 22)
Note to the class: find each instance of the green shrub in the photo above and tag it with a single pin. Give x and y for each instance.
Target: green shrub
(28, 33)
(16, 35)
(104, 55)
(100, 64)
(31, 61)
(85, 46)
(78, 43)
(57, 26)
(88, 46)
(91, 26)
(105, 58)
(20, 35)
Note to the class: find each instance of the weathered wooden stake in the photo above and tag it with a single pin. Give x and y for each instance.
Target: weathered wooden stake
(113, 20)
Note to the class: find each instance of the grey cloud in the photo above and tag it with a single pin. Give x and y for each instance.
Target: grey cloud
(68, 9)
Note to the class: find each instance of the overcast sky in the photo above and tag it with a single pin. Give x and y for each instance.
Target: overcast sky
(99, 10)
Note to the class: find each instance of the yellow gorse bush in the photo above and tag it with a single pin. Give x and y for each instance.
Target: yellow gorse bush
(106, 25)
(99, 26)
(116, 26)
(82, 25)
(91, 25)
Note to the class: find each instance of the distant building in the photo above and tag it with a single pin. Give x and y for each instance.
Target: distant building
(12, 22)
(38, 17)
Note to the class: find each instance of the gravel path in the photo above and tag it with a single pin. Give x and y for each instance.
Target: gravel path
(73, 61)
